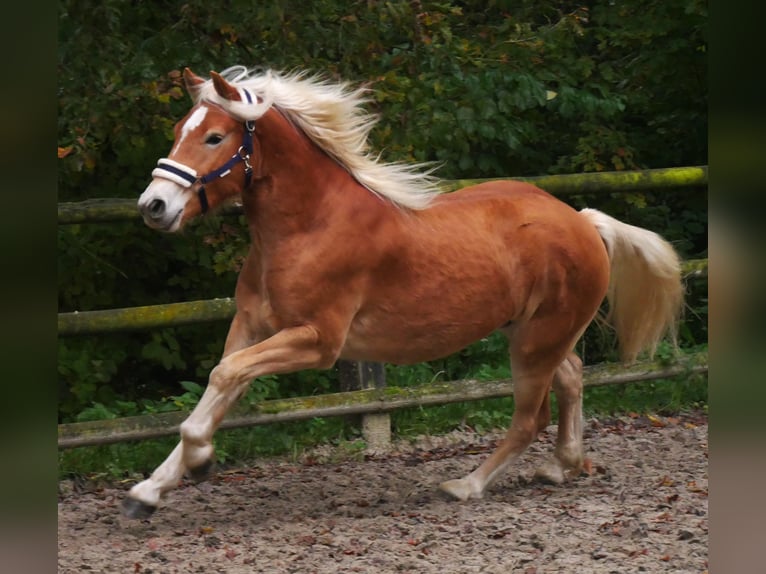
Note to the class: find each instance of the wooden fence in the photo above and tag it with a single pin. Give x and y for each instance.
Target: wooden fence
(373, 398)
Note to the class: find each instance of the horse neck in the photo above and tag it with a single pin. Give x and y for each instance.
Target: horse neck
(298, 184)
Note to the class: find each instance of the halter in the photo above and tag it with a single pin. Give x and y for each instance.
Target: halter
(186, 176)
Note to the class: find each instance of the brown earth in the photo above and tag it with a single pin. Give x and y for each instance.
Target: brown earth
(642, 508)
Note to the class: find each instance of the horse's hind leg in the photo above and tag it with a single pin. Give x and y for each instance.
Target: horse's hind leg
(535, 359)
(538, 362)
(529, 392)
(568, 455)
(544, 414)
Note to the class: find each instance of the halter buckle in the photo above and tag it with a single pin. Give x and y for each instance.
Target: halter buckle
(245, 157)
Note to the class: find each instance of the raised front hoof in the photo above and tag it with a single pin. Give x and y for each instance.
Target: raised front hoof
(460, 488)
(133, 508)
(201, 473)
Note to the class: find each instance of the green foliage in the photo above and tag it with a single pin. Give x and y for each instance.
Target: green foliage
(503, 89)
(661, 396)
(486, 90)
(486, 360)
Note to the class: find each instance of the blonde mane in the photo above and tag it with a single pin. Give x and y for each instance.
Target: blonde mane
(332, 115)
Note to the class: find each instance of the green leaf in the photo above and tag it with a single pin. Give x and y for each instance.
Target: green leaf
(192, 387)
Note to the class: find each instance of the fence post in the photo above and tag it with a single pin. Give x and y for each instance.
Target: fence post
(359, 375)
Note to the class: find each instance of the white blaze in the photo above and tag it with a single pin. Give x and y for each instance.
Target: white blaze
(193, 122)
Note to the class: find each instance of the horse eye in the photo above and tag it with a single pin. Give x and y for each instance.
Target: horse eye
(214, 139)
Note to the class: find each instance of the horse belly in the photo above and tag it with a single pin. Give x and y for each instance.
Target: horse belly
(412, 329)
(407, 351)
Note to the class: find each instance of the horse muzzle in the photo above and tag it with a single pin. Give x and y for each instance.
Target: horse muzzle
(161, 208)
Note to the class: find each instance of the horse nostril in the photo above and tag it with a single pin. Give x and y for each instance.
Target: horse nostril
(156, 208)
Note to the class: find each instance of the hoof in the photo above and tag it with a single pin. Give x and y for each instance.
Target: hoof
(132, 508)
(202, 472)
(460, 488)
(550, 473)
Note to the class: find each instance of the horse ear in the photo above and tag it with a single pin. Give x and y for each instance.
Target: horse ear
(224, 88)
(193, 83)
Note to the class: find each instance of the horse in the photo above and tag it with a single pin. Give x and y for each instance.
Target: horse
(355, 258)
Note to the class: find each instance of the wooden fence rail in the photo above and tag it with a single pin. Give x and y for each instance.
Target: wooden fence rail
(373, 398)
(381, 400)
(109, 210)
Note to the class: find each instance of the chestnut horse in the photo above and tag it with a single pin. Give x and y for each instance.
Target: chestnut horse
(353, 258)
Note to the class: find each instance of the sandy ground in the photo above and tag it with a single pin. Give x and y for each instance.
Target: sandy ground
(642, 508)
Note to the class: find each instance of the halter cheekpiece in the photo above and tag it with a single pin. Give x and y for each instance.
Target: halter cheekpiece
(186, 176)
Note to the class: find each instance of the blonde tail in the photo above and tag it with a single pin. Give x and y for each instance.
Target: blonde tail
(645, 291)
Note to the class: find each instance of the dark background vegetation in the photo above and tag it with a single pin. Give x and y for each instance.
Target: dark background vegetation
(487, 89)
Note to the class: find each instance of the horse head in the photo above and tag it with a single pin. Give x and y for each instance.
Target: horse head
(210, 161)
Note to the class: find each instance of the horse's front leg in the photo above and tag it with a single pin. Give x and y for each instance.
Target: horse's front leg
(144, 497)
(289, 350)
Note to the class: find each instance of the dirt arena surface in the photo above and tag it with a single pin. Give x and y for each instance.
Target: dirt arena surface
(642, 508)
